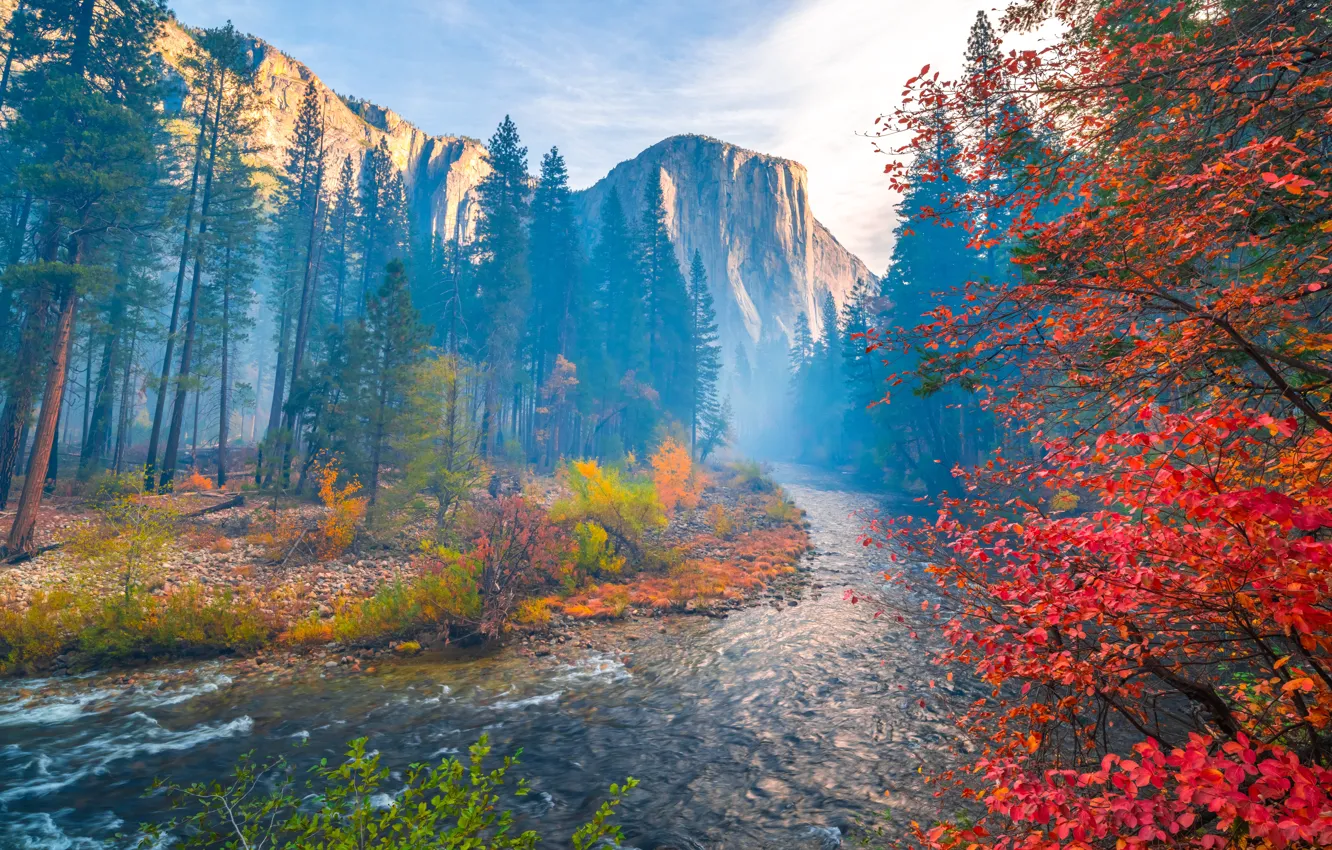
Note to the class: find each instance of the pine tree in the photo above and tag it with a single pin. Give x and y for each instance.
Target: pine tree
(557, 271)
(503, 278)
(556, 264)
(375, 175)
(235, 258)
(298, 230)
(232, 125)
(667, 305)
(84, 132)
(802, 346)
(342, 220)
(619, 291)
(705, 350)
(716, 429)
(202, 73)
(384, 350)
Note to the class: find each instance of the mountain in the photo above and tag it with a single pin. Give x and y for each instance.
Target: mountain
(440, 172)
(746, 213)
(748, 216)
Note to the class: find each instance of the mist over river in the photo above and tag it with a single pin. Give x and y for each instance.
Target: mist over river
(775, 727)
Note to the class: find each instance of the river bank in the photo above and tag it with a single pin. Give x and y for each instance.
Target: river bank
(779, 725)
(736, 538)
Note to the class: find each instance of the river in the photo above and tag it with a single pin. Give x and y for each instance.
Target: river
(778, 726)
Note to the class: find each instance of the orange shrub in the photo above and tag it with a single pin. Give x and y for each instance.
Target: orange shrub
(674, 477)
(745, 566)
(346, 511)
(208, 537)
(196, 483)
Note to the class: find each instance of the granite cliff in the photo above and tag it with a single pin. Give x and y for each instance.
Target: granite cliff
(748, 216)
(440, 172)
(746, 213)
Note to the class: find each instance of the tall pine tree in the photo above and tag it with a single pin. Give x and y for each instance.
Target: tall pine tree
(705, 351)
(503, 278)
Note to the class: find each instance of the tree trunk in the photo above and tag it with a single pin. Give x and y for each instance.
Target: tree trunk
(279, 387)
(187, 348)
(17, 29)
(160, 411)
(303, 317)
(376, 453)
(194, 431)
(20, 541)
(22, 387)
(125, 423)
(99, 427)
(222, 411)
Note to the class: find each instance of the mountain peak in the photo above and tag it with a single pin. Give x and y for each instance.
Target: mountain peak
(747, 214)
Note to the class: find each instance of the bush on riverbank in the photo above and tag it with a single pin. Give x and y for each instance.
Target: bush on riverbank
(86, 631)
(140, 584)
(730, 570)
(454, 804)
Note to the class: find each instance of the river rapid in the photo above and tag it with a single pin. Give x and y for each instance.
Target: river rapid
(779, 726)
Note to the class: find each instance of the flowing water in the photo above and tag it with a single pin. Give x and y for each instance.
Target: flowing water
(778, 726)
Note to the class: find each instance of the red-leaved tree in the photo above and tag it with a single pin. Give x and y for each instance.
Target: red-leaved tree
(1151, 596)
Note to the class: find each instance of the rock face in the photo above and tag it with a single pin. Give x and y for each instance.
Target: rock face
(747, 214)
(441, 173)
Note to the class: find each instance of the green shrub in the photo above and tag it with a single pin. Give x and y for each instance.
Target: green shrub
(781, 508)
(752, 476)
(595, 554)
(452, 805)
(448, 594)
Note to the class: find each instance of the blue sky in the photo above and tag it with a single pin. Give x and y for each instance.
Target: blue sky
(803, 79)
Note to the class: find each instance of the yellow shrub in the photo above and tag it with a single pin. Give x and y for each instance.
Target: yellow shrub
(627, 509)
(781, 508)
(533, 612)
(309, 630)
(595, 554)
(39, 631)
(723, 526)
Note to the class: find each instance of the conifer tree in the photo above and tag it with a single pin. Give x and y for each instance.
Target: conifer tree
(235, 260)
(342, 219)
(384, 350)
(232, 124)
(667, 305)
(298, 227)
(705, 350)
(555, 262)
(619, 292)
(503, 278)
(84, 133)
(802, 346)
(375, 175)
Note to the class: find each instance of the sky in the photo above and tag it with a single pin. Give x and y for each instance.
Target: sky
(802, 79)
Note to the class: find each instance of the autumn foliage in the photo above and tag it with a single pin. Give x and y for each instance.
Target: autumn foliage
(677, 481)
(731, 570)
(1142, 570)
(346, 511)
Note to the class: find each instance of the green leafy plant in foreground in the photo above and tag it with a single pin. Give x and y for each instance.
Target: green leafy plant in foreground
(453, 805)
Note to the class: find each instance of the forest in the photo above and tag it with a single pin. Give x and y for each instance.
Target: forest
(256, 409)
(535, 352)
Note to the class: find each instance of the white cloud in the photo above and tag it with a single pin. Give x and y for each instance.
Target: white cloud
(806, 85)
